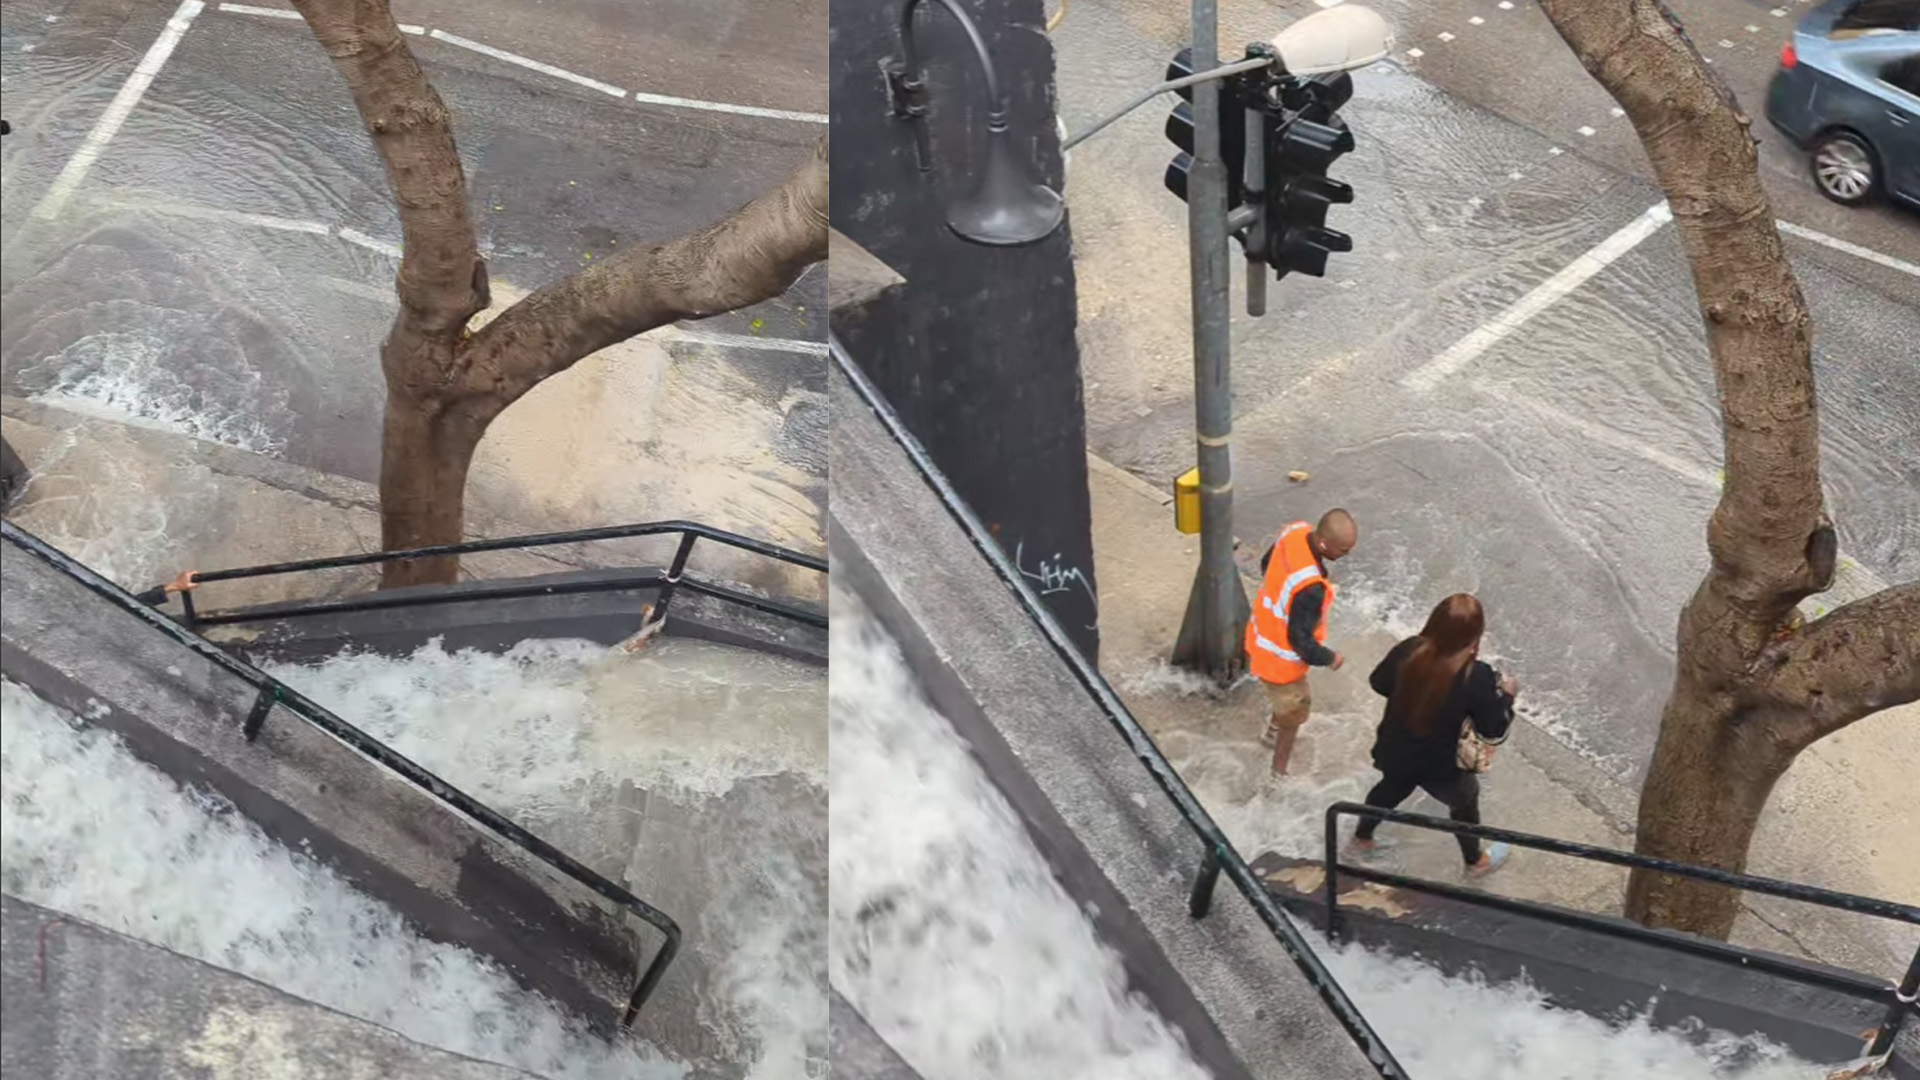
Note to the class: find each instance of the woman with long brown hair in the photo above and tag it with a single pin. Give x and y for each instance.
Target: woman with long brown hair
(1435, 684)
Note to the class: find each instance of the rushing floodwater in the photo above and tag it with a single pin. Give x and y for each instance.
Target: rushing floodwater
(950, 934)
(96, 833)
(549, 733)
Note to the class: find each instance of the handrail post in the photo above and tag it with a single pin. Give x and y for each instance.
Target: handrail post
(658, 615)
(1904, 1000)
(1200, 901)
(262, 705)
(1331, 861)
(188, 616)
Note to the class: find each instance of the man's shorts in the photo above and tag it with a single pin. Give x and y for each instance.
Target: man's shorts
(1291, 702)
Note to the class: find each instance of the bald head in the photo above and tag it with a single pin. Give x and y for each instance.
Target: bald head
(1335, 535)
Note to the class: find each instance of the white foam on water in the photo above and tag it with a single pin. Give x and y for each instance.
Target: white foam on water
(132, 376)
(550, 731)
(530, 729)
(1445, 1028)
(93, 832)
(946, 928)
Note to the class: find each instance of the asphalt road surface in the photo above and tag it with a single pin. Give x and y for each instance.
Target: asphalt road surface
(222, 261)
(1561, 461)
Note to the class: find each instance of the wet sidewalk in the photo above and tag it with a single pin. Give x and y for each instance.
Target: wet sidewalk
(1833, 820)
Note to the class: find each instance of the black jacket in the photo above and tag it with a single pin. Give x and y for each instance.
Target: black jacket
(1399, 752)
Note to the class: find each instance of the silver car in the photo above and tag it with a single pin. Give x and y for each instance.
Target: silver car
(1848, 93)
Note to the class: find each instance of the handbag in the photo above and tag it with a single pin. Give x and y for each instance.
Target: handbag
(1473, 753)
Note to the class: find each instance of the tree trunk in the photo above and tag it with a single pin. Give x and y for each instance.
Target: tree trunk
(1712, 773)
(443, 385)
(1752, 688)
(424, 456)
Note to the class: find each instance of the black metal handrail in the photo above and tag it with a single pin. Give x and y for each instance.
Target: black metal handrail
(271, 691)
(1899, 998)
(1219, 852)
(690, 532)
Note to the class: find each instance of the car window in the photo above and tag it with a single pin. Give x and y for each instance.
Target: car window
(1904, 73)
(1881, 15)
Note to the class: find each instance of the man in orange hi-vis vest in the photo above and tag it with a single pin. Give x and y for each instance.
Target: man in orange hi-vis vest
(1288, 631)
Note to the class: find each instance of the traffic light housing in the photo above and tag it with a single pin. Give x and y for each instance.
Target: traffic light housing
(1233, 131)
(1304, 137)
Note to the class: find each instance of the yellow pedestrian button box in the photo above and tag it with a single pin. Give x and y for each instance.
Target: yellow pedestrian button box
(1186, 501)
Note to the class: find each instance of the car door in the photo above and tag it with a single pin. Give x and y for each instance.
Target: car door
(1900, 82)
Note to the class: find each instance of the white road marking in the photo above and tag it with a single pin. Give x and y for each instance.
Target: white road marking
(1444, 36)
(1851, 581)
(1601, 433)
(1554, 151)
(1585, 130)
(722, 107)
(1476, 21)
(1838, 244)
(263, 12)
(738, 341)
(1506, 5)
(531, 65)
(117, 112)
(1617, 111)
(371, 243)
(1416, 53)
(1325, 3)
(609, 89)
(1545, 295)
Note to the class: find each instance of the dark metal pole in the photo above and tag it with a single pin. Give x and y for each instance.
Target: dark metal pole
(1200, 900)
(1210, 633)
(1905, 999)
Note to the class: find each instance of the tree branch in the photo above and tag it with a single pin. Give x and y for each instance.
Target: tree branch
(442, 281)
(754, 254)
(1856, 661)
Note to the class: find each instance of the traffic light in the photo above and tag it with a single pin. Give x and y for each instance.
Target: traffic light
(1304, 136)
(1233, 131)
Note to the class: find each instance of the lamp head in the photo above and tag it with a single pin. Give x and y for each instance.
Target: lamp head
(1008, 207)
(1338, 39)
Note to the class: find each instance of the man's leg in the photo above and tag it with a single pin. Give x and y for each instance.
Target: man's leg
(1461, 793)
(1291, 704)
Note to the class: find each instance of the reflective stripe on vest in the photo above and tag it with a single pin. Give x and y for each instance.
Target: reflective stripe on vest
(1267, 630)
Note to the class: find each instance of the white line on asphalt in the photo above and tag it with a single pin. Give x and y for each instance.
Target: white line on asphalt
(532, 65)
(263, 12)
(411, 28)
(1462, 352)
(722, 107)
(1851, 581)
(1602, 434)
(360, 289)
(117, 112)
(1838, 244)
(371, 243)
(740, 341)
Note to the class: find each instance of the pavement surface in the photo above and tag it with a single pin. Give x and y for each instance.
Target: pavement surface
(1839, 819)
(1561, 466)
(221, 262)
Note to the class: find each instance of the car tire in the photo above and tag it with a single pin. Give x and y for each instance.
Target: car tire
(1844, 168)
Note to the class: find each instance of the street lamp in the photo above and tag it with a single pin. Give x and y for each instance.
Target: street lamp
(1338, 39)
(1007, 207)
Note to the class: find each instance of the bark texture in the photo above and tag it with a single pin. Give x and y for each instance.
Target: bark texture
(445, 385)
(1753, 686)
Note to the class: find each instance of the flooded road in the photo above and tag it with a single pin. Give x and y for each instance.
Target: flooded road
(1562, 470)
(225, 267)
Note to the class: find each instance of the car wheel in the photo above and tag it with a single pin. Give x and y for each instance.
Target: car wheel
(1844, 169)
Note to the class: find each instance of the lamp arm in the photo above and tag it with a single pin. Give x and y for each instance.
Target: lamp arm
(1235, 68)
(980, 50)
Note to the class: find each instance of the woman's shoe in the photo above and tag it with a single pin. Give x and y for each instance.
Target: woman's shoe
(1491, 859)
(1365, 850)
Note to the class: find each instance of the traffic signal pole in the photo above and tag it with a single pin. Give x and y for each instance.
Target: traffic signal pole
(1211, 634)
